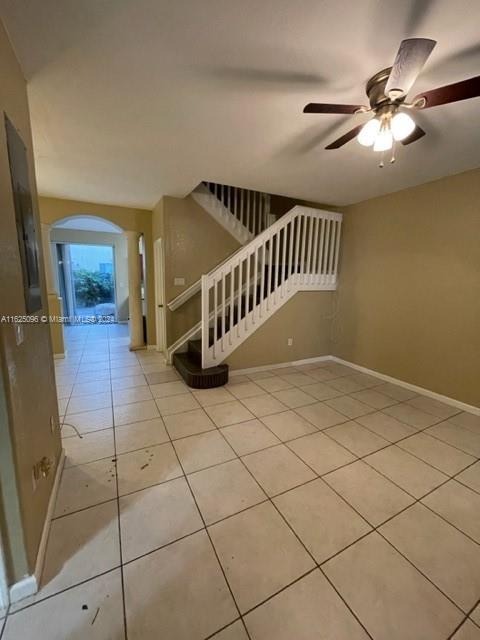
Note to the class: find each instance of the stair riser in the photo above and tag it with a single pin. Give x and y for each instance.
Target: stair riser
(198, 378)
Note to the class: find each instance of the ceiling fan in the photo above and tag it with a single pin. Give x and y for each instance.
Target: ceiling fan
(387, 91)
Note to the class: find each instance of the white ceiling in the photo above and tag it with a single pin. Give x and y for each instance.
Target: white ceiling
(135, 99)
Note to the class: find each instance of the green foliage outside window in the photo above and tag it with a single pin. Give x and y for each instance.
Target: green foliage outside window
(93, 287)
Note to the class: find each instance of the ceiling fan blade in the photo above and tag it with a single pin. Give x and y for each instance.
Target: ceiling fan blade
(315, 107)
(450, 93)
(339, 142)
(411, 56)
(416, 134)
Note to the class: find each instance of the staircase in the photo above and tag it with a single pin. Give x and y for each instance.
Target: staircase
(298, 252)
(242, 212)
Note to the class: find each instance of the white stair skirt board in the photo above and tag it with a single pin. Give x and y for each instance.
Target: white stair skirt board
(29, 585)
(219, 212)
(192, 334)
(463, 406)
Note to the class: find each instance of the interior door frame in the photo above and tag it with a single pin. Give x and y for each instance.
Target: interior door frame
(160, 313)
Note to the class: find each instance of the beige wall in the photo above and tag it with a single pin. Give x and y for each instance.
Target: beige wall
(54, 209)
(194, 243)
(306, 318)
(116, 240)
(409, 297)
(28, 374)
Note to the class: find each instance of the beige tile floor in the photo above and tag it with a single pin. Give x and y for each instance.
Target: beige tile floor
(300, 503)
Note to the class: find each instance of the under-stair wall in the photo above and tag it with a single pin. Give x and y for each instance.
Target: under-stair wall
(299, 330)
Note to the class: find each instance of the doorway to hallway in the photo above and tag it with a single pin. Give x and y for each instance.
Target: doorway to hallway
(86, 276)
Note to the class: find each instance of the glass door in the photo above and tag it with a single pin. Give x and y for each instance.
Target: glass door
(87, 282)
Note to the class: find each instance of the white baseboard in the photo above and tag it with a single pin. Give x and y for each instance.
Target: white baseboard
(281, 365)
(25, 587)
(4, 591)
(29, 585)
(463, 406)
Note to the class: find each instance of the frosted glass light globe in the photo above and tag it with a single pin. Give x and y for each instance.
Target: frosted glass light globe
(369, 132)
(384, 140)
(402, 126)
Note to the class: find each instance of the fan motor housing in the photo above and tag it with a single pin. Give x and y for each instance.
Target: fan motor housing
(375, 90)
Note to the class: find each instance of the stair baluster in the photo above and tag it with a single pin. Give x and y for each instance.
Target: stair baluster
(287, 257)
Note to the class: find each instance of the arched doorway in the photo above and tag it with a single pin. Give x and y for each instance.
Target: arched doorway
(96, 275)
(91, 269)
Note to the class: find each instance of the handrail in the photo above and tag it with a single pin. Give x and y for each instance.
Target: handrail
(276, 226)
(186, 294)
(196, 286)
(298, 252)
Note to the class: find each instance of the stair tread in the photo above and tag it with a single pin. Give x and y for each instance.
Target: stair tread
(196, 377)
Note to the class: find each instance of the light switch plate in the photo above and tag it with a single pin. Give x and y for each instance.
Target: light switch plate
(179, 282)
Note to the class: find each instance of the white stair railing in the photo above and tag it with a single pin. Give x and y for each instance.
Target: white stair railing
(243, 213)
(250, 208)
(299, 252)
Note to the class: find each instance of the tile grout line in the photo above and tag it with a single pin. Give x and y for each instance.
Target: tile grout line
(286, 443)
(209, 537)
(122, 577)
(10, 613)
(375, 528)
(448, 479)
(317, 476)
(266, 500)
(467, 617)
(316, 565)
(315, 401)
(69, 588)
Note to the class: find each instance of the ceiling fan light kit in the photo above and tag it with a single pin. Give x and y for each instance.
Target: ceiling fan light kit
(387, 91)
(369, 132)
(386, 127)
(402, 125)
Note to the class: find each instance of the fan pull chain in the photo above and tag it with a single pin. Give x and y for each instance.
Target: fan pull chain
(392, 159)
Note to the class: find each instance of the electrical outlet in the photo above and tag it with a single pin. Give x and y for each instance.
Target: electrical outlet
(41, 470)
(53, 424)
(289, 342)
(179, 282)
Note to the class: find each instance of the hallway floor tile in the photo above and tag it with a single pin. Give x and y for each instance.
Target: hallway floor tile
(291, 504)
